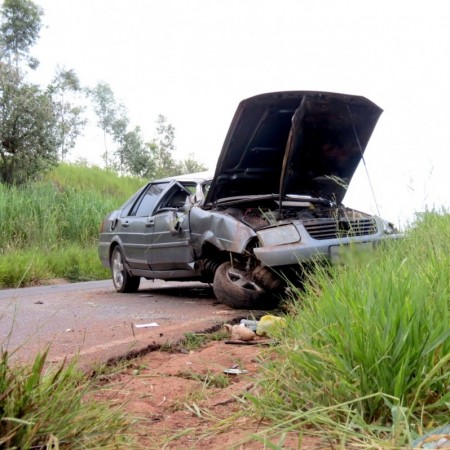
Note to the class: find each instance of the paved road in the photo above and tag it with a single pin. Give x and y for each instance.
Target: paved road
(93, 321)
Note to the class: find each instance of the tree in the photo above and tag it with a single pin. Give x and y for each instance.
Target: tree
(28, 143)
(105, 107)
(119, 129)
(132, 155)
(191, 165)
(28, 140)
(161, 148)
(19, 30)
(65, 91)
(137, 156)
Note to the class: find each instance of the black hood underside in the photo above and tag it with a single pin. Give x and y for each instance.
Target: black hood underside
(298, 142)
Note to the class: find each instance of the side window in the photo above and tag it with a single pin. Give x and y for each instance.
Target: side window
(129, 204)
(176, 197)
(191, 187)
(145, 206)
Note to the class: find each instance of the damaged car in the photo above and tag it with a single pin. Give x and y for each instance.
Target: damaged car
(273, 205)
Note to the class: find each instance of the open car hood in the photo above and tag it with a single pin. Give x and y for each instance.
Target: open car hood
(298, 142)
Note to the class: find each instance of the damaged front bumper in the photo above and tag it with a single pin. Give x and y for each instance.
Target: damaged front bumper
(292, 244)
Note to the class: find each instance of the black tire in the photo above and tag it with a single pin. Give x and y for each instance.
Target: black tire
(122, 280)
(233, 288)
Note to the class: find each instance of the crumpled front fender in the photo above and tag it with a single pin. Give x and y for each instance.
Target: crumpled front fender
(218, 229)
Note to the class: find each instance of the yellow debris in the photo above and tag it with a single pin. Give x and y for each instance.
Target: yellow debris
(266, 322)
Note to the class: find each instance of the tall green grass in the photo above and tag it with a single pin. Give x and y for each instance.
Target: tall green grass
(41, 220)
(368, 345)
(34, 266)
(55, 409)
(94, 179)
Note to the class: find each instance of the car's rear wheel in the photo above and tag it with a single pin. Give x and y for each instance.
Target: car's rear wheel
(123, 281)
(235, 288)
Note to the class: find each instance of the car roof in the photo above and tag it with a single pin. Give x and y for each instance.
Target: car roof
(197, 177)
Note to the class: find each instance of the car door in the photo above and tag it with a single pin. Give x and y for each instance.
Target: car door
(170, 248)
(135, 226)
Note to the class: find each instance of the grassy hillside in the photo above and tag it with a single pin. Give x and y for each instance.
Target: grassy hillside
(50, 228)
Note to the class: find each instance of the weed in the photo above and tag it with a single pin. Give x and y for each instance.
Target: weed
(209, 379)
(192, 341)
(50, 409)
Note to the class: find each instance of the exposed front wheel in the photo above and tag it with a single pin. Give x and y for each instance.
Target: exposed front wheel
(235, 288)
(123, 281)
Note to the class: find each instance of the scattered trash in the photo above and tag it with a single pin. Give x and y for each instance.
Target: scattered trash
(69, 330)
(38, 303)
(250, 324)
(438, 438)
(239, 332)
(234, 371)
(266, 322)
(258, 342)
(146, 325)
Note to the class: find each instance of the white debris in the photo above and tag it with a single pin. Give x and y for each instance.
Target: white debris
(146, 325)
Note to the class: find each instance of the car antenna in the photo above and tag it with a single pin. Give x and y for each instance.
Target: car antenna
(363, 160)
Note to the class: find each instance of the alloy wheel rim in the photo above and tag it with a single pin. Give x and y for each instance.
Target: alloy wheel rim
(118, 269)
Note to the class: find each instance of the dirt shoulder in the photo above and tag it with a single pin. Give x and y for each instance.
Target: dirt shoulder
(184, 400)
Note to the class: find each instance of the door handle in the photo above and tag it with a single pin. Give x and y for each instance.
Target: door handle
(125, 223)
(150, 223)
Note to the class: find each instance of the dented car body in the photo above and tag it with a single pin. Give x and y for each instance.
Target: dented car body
(273, 204)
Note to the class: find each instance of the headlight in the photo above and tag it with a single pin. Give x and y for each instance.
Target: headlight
(389, 228)
(284, 234)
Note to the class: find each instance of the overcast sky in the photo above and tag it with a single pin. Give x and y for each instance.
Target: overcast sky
(193, 61)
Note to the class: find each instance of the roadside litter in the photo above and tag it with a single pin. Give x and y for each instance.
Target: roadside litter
(438, 438)
(267, 322)
(249, 332)
(239, 332)
(146, 325)
(233, 371)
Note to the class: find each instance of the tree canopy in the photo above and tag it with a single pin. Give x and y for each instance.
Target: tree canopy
(19, 30)
(27, 129)
(132, 155)
(40, 126)
(27, 123)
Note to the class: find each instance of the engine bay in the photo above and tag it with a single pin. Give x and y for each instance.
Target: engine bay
(269, 213)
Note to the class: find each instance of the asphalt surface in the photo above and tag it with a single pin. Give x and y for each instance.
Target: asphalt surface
(95, 323)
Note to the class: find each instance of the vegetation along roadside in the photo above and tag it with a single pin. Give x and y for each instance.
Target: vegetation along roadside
(49, 228)
(363, 361)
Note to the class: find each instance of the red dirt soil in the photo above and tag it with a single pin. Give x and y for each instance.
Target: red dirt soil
(179, 403)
